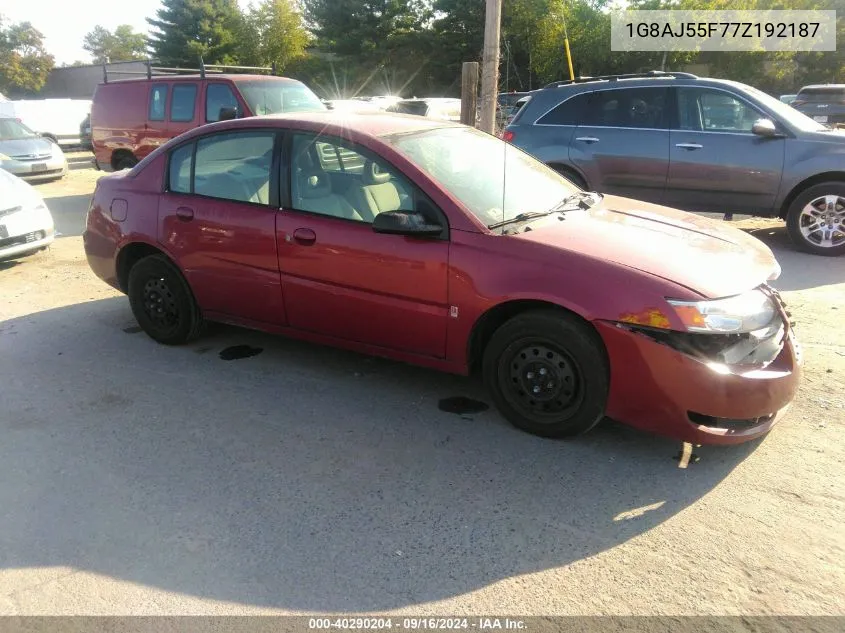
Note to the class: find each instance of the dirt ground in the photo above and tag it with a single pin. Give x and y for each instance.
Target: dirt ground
(752, 530)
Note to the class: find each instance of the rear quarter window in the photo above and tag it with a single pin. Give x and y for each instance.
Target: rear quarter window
(569, 112)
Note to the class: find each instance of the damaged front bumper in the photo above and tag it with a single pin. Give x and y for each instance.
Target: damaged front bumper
(702, 388)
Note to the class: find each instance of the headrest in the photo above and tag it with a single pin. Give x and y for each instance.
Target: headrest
(373, 175)
(314, 183)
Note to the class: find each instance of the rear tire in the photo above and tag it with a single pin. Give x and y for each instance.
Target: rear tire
(162, 301)
(816, 219)
(547, 373)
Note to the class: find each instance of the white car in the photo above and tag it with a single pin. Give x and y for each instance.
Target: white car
(26, 225)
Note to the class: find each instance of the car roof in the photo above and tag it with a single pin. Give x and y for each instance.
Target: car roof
(368, 123)
(208, 77)
(823, 87)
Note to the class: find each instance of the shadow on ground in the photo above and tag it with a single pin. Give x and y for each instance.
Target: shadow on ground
(801, 271)
(302, 477)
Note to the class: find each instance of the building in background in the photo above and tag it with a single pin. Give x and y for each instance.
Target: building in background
(79, 82)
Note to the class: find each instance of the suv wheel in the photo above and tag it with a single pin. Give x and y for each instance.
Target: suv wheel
(816, 219)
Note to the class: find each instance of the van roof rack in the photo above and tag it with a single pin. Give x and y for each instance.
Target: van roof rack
(164, 71)
(646, 75)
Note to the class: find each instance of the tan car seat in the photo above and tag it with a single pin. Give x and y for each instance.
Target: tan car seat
(312, 191)
(376, 194)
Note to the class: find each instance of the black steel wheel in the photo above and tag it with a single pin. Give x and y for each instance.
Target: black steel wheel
(162, 301)
(547, 373)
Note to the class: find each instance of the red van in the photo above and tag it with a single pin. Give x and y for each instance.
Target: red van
(132, 117)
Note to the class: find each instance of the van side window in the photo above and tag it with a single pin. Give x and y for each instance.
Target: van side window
(217, 97)
(158, 99)
(183, 101)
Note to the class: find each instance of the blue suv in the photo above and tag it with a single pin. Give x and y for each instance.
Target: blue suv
(695, 144)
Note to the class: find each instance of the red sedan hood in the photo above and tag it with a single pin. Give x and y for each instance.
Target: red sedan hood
(704, 255)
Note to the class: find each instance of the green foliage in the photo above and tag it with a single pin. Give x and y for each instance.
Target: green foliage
(274, 34)
(184, 30)
(124, 44)
(24, 63)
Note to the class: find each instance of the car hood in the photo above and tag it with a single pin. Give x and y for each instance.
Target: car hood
(24, 146)
(704, 255)
(14, 192)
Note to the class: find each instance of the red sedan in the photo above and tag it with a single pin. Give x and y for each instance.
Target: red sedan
(436, 244)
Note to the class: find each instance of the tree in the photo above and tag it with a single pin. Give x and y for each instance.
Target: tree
(24, 63)
(184, 30)
(274, 34)
(124, 44)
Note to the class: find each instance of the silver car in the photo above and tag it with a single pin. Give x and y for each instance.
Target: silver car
(26, 224)
(28, 155)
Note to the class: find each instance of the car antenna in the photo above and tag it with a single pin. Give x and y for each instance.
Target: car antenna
(504, 177)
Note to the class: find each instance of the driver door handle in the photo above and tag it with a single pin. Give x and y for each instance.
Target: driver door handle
(306, 237)
(689, 145)
(587, 139)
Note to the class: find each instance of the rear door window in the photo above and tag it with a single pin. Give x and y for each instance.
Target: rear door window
(183, 102)
(235, 166)
(158, 102)
(217, 97)
(629, 107)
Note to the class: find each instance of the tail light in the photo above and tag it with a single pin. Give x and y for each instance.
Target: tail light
(508, 136)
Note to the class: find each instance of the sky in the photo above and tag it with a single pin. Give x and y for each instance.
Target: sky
(65, 22)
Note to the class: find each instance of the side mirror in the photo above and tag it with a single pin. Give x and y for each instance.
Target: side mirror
(765, 128)
(405, 223)
(227, 113)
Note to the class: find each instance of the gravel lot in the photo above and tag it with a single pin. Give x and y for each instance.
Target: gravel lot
(141, 479)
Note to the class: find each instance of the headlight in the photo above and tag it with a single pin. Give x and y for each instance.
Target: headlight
(747, 312)
(4, 157)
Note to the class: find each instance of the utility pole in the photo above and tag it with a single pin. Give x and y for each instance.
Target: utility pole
(490, 65)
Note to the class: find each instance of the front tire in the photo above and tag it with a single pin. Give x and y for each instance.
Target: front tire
(816, 219)
(547, 373)
(162, 301)
(125, 162)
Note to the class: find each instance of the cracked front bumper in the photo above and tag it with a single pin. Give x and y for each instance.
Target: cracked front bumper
(656, 388)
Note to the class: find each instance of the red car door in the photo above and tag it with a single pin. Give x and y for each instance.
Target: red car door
(342, 279)
(219, 225)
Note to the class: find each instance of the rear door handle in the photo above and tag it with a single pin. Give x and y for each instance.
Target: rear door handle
(306, 237)
(587, 139)
(689, 145)
(186, 214)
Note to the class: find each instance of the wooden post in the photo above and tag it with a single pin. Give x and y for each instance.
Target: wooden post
(469, 93)
(490, 66)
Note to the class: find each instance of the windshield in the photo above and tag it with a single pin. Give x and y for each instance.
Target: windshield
(12, 130)
(480, 170)
(821, 95)
(273, 97)
(785, 112)
(409, 107)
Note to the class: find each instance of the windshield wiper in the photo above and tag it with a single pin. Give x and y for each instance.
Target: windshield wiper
(522, 217)
(581, 200)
